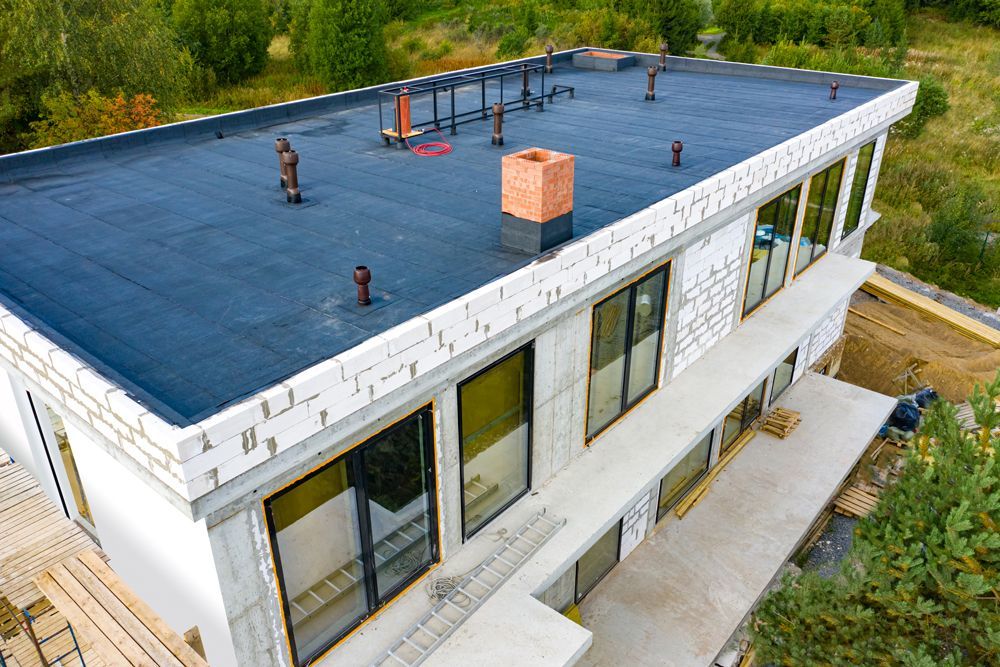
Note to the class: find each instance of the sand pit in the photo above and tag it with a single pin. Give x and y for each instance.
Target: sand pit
(874, 355)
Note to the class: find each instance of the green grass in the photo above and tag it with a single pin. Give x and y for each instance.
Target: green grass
(961, 147)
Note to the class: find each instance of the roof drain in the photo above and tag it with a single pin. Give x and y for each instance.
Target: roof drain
(363, 276)
(650, 93)
(833, 89)
(282, 145)
(291, 161)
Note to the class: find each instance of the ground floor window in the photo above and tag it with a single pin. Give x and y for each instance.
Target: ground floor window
(684, 475)
(351, 535)
(782, 377)
(626, 337)
(597, 561)
(494, 410)
(741, 418)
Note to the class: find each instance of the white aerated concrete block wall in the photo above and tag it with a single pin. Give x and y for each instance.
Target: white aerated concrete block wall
(195, 460)
(827, 333)
(634, 525)
(710, 289)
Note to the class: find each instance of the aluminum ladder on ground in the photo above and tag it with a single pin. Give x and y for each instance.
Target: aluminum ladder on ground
(438, 624)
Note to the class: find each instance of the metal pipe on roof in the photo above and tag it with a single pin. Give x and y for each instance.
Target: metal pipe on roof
(498, 124)
(548, 58)
(833, 89)
(663, 56)
(291, 161)
(363, 276)
(677, 147)
(282, 145)
(650, 93)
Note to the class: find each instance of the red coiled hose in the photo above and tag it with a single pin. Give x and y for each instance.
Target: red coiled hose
(430, 148)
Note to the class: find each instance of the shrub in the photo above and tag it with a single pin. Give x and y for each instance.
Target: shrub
(677, 21)
(341, 42)
(67, 117)
(919, 586)
(514, 43)
(932, 100)
(608, 29)
(229, 36)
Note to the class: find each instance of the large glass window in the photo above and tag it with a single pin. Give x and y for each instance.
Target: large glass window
(626, 337)
(859, 185)
(495, 412)
(741, 417)
(771, 244)
(684, 475)
(597, 561)
(817, 223)
(348, 537)
(69, 465)
(782, 377)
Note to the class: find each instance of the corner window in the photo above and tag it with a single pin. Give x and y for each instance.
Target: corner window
(494, 410)
(782, 377)
(684, 475)
(597, 561)
(862, 170)
(350, 536)
(741, 418)
(626, 337)
(817, 223)
(771, 246)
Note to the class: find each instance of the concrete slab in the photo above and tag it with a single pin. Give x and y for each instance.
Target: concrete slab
(682, 593)
(616, 470)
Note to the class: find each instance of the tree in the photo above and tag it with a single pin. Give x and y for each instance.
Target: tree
(228, 36)
(67, 117)
(341, 41)
(678, 22)
(921, 584)
(53, 46)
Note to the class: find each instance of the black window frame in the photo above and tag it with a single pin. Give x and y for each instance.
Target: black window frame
(529, 350)
(745, 424)
(355, 457)
(794, 356)
(862, 194)
(823, 206)
(664, 511)
(577, 595)
(770, 253)
(627, 405)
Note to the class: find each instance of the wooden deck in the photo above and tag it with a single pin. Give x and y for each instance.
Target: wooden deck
(34, 536)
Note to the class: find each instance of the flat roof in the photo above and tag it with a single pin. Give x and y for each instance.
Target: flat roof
(169, 260)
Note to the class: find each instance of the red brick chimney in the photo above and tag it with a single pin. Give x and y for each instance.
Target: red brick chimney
(537, 199)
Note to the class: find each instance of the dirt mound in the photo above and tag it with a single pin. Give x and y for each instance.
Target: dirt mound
(874, 355)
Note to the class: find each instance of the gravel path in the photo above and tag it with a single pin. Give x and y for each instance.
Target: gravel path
(953, 301)
(832, 546)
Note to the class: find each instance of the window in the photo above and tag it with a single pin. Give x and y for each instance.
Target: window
(782, 377)
(627, 331)
(771, 242)
(69, 465)
(494, 410)
(817, 223)
(351, 535)
(598, 561)
(741, 417)
(684, 475)
(858, 186)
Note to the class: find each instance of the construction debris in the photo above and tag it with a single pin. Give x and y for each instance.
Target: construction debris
(781, 422)
(855, 502)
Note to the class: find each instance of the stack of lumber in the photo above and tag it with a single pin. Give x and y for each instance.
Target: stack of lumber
(888, 291)
(781, 422)
(855, 501)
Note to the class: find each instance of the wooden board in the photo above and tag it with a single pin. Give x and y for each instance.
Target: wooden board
(855, 501)
(887, 290)
(122, 628)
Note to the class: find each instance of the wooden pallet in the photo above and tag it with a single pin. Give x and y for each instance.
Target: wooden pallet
(781, 422)
(855, 502)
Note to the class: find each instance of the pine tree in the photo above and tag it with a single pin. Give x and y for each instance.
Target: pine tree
(921, 585)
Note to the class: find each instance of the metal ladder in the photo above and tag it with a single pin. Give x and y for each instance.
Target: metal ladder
(445, 617)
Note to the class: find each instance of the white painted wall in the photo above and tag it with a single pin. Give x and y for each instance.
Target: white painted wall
(160, 553)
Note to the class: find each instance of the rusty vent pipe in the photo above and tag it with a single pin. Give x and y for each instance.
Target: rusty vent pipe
(677, 147)
(291, 161)
(498, 124)
(663, 57)
(650, 93)
(282, 145)
(548, 58)
(363, 276)
(833, 89)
